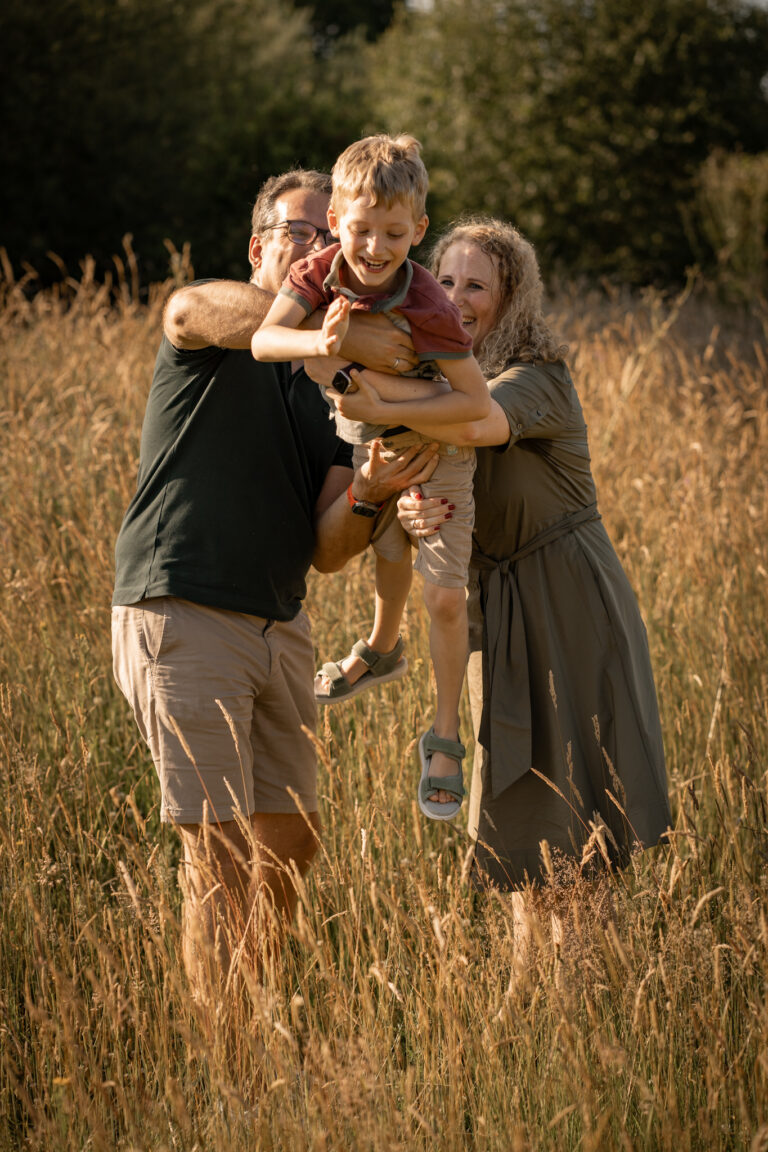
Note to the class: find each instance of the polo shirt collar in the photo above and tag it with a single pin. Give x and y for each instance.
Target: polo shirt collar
(378, 301)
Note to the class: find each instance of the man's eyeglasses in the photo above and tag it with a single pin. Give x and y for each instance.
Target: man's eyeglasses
(302, 233)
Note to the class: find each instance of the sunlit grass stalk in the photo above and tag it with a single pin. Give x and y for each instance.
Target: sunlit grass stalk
(400, 1017)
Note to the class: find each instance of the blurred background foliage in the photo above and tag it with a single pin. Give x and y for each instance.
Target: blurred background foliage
(627, 140)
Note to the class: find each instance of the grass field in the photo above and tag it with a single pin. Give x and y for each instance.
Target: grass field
(392, 1023)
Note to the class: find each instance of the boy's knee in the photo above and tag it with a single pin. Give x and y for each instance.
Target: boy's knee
(445, 604)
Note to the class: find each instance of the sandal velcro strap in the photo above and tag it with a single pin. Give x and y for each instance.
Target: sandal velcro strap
(331, 685)
(334, 673)
(453, 748)
(379, 662)
(452, 784)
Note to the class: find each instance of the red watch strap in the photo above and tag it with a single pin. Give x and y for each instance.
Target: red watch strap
(353, 500)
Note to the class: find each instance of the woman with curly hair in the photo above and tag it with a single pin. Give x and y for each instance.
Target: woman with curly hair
(569, 751)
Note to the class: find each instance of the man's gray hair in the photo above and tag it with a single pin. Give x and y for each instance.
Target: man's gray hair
(264, 215)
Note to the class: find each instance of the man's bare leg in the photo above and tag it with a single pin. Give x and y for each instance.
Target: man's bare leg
(238, 892)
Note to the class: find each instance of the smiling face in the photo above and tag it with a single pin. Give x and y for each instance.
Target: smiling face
(470, 278)
(272, 253)
(375, 241)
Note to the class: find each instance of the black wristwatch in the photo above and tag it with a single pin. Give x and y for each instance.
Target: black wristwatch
(342, 379)
(362, 507)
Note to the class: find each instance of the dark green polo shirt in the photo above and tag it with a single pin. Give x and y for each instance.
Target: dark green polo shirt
(234, 454)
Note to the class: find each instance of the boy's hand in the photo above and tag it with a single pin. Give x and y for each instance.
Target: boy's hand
(335, 325)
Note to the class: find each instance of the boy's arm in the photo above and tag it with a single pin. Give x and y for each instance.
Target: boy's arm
(279, 338)
(221, 313)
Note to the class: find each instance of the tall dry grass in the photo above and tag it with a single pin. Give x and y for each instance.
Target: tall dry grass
(393, 1022)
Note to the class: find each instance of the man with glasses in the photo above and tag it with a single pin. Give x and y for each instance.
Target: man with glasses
(242, 485)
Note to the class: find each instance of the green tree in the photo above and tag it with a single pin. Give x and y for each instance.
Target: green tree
(158, 120)
(585, 121)
(332, 19)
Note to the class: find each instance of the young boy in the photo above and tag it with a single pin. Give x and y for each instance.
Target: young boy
(378, 211)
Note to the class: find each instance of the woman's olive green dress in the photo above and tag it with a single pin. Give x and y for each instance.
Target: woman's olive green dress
(560, 676)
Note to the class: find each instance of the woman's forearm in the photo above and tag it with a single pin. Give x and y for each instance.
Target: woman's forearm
(398, 389)
(493, 429)
(385, 399)
(446, 408)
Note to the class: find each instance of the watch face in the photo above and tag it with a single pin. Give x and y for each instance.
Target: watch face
(364, 510)
(341, 381)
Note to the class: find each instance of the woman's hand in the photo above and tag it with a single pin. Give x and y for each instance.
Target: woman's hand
(420, 516)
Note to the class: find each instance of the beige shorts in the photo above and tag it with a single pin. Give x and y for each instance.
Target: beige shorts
(220, 698)
(443, 558)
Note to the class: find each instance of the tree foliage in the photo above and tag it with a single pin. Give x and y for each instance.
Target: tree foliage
(332, 19)
(586, 121)
(161, 120)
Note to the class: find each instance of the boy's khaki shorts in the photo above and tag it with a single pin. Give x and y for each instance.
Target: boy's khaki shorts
(220, 698)
(443, 558)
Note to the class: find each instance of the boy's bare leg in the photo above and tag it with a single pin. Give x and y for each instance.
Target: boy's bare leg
(238, 893)
(449, 645)
(393, 583)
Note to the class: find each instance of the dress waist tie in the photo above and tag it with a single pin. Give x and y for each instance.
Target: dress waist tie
(505, 724)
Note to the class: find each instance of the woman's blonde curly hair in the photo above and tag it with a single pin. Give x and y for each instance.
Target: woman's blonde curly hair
(521, 332)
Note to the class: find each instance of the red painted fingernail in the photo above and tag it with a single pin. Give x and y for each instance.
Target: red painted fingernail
(444, 501)
(452, 507)
(418, 496)
(449, 516)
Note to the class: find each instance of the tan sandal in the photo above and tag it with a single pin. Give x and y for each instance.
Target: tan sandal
(429, 744)
(382, 667)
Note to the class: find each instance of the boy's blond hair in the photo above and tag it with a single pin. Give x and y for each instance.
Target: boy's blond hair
(385, 169)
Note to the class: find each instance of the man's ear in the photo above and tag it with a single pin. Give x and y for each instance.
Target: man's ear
(421, 229)
(254, 252)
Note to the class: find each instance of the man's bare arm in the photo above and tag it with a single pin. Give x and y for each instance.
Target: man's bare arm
(222, 313)
(226, 313)
(340, 533)
(375, 341)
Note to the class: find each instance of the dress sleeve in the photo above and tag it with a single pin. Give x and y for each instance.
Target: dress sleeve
(536, 399)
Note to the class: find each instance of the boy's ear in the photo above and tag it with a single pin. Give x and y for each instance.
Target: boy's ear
(421, 229)
(332, 221)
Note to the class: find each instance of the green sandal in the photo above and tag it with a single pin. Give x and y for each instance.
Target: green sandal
(382, 667)
(428, 744)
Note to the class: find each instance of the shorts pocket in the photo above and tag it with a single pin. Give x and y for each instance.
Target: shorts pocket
(154, 628)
